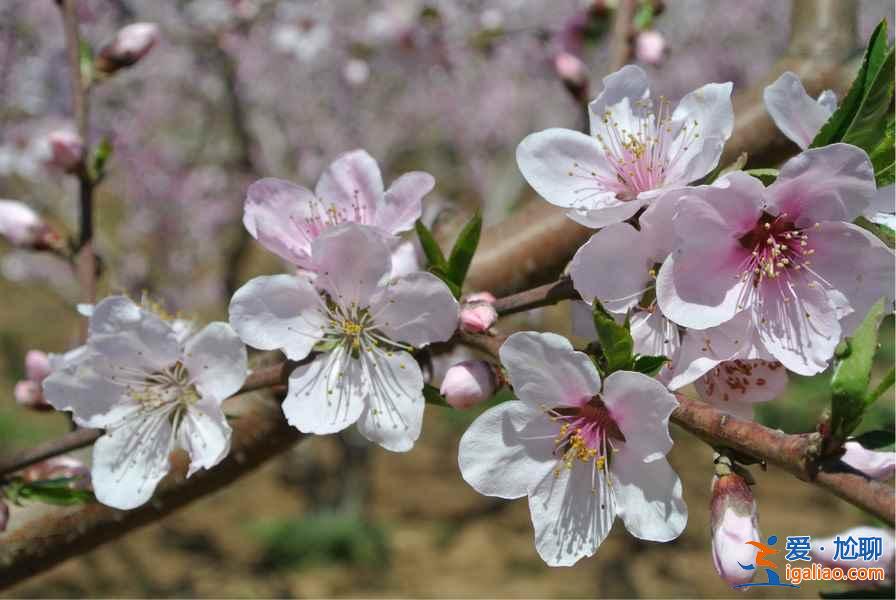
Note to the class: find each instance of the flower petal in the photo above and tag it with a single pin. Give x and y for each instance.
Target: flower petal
(566, 168)
(326, 395)
(402, 202)
(876, 465)
(832, 183)
(797, 115)
(605, 210)
(629, 82)
(699, 285)
(352, 183)
(92, 397)
(393, 415)
(129, 461)
(856, 264)
(570, 519)
(350, 261)
(707, 112)
(276, 214)
(205, 434)
(640, 406)
(582, 320)
(125, 333)
(418, 309)
(648, 496)
(798, 324)
(654, 334)
(278, 312)
(507, 450)
(614, 267)
(735, 386)
(544, 369)
(216, 361)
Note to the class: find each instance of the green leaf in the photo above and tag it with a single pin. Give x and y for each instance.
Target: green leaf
(58, 492)
(883, 156)
(874, 440)
(616, 342)
(649, 365)
(101, 155)
(431, 249)
(883, 233)
(885, 384)
(85, 59)
(852, 375)
(643, 19)
(766, 176)
(865, 129)
(432, 396)
(837, 125)
(464, 249)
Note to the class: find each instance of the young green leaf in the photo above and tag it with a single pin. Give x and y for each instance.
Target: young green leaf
(101, 155)
(766, 176)
(649, 365)
(875, 55)
(431, 249)
(464, 249)
(852, 375)
(616, 342)
(885, 384)
(55, 491)
(432, 396)
(865, 130)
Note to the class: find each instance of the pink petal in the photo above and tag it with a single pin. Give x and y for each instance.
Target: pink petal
(876, 465)
(734, 386)
(640, 406)
(351, 261)
(275, 214)
(796, 114)
(353, 183)
(401, 206)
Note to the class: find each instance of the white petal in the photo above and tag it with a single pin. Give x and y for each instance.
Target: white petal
(127, 334)
(326, 395)
(352, 181)
(544, 369)
(417, 309)
(608, 210)
(832, 183)
(216, 361)
(828, 101)
(629, 82)
(701, 350)
(90, 396)
(393, 415)
(571, 518)
(205, 434)
(614, 267)
(735, 386)
(278, 312)
(129, 461)
(640, 406)
(507, 450)
(351, 260)
(876, 465)
(582, 320)
(276, 213)
(402, 204)
(706, 111)
(566, 168)
(883, 201)
(654, 334)
(648, 497)
(796, 114)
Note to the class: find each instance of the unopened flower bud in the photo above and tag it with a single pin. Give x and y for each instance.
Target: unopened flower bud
(650, 47)
(4, 515)
(469, 383)
(132, 43)
(29, 394)
(20, 225)
(876, 465)
(66, 150)
(574, 75)
(37, 365)
(477, 317)
(734, 522)
(59, 467)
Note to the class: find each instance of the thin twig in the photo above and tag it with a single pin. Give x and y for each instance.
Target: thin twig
(623, 35)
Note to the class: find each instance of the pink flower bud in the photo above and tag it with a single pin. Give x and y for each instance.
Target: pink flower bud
(132, 43)
(58, 467)
(468, 383)
(37, 365)
(734, 522)
(876, 465)
(481, 297)
(477, 317)
(4, 515)
(574, 74)
(66, 150)
(650, 47)
(30, 395)
(19, 224)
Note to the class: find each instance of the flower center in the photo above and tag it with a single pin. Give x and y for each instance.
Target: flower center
(642, 156)
(165, 387)
(776, 245)
(588, 434)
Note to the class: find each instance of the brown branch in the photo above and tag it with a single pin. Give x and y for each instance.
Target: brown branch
(623, 35)
(533, 245)
(85, 261)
